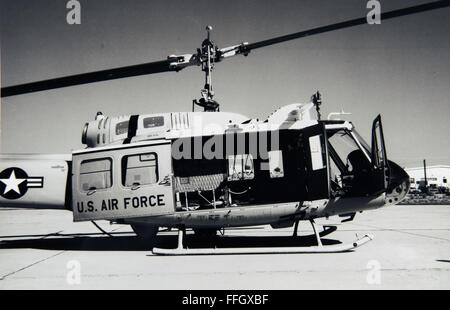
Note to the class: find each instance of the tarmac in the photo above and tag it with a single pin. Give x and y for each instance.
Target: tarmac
(45, 249)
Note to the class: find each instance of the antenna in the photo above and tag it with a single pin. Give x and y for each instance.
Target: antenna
(316, 99)
(338, 113)
(425, 172)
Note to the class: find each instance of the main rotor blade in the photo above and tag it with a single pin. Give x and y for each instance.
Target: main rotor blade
(355, 22)
(179, 62)
(84, 78)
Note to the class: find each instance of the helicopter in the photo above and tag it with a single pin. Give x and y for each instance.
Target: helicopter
(211, 170)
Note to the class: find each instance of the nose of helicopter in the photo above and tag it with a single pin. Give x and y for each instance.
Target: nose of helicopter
(398, 186)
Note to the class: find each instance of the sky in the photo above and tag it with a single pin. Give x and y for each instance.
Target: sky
(399, 69)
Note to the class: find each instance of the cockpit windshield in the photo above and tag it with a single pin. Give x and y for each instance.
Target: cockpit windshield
(345, 151)
(349, 159)
(360, 139)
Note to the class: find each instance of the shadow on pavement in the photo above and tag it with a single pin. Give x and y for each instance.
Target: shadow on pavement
(132, 243)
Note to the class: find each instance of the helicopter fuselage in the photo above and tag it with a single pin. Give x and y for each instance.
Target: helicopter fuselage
(210, 170)
(233, 171)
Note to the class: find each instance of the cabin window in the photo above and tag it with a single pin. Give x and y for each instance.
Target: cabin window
(96, 174)
(139, 169)
(154, 121)
(276, 164)
(240, 167)
(121, 128)
(315, 147)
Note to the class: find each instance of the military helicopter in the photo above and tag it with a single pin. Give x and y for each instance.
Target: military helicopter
(211, 170)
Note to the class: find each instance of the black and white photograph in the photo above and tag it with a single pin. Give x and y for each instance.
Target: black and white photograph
(252, 145)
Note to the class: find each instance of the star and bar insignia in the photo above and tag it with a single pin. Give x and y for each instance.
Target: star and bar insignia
(14, 183)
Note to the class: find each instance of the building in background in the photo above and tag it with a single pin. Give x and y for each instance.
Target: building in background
(436, 176)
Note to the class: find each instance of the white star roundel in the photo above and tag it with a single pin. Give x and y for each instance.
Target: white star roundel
(14, 183)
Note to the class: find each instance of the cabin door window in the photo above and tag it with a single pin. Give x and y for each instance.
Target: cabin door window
(276, 164)
(139, 169)
(95, 174)
(240, 167)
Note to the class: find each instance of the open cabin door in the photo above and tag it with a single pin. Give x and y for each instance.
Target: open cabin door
(316, 157)
(123, 182)
(379, 158)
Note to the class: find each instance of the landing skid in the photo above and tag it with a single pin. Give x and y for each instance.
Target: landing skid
(180, 250)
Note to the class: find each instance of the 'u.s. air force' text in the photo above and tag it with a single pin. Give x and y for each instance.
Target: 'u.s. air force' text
(116, 204)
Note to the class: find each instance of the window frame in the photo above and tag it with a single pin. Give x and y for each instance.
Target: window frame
(124, 168)
(119, 126)
(273, 154)
(111, 170)
(244, 159)
(150, 119)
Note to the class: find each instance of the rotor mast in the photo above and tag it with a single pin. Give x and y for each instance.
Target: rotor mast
(208, 49)
(207, 56)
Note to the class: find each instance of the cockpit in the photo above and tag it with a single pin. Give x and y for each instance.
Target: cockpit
(351, 171)
(357, 169)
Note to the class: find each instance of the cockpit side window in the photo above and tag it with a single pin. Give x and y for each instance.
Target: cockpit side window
(363, 143)
(350, 168)
(347, 152)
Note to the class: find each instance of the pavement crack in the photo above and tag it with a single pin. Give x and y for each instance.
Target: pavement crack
(26, 267)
